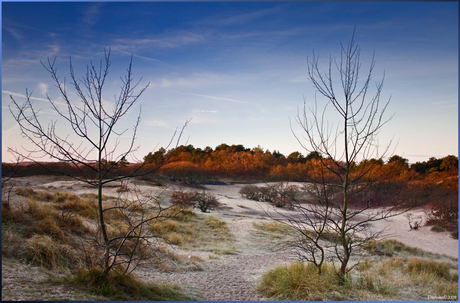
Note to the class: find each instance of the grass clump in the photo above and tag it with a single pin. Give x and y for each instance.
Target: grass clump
(126, 288)
(45, 234)
(388, 247)
(300, 281)
(44, 251)
(185, 228)
(272, 227)
(417, 266)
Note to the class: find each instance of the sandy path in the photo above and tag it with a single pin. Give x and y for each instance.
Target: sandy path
(231, 277)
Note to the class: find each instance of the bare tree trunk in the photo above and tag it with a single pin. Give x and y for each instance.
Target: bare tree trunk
(94, 125)
(354, 140)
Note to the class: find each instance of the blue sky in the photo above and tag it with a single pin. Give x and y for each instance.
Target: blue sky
(239, 69)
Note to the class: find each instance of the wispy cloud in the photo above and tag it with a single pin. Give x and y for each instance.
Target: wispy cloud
(204, 111)
(240, 19)
(158, 123)
(12, 31)
(165, 41)
(23, 96)
(214, 98)
(13, 94)
(11, 27)
(146, 58)
(91, 15)
(43, 87)
(193, 80)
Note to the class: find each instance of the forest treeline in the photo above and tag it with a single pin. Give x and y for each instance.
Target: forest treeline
(236, 162)
(433, 182)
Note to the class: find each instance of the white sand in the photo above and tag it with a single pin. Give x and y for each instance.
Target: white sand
(394, 228)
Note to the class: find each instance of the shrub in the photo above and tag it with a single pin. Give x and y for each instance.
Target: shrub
(185, 199)
(123, 188)
(189, 199)
(206, 201)
(280, 195)
(444, 214)
(250, 192)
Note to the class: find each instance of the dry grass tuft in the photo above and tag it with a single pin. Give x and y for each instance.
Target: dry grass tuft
(388, 279)
(417, 266)
(173, 261)
(127, 288)
(43, 233)
(43, 251)
(388, 247)
(188, 230)
(272, 226)
(300, 281)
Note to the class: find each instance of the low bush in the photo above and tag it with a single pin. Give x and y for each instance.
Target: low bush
(280, 194)
(206, 201)
(250, 192)
(444, 214)
(190, 199)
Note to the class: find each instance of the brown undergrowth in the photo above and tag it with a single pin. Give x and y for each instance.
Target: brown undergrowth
(56, 231)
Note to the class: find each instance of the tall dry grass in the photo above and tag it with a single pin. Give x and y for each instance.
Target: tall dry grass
(395, 278)
(301, 281)
(189, 230)
(127, 288)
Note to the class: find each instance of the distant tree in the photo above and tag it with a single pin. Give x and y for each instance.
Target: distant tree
(222, 146)
(208, 150)
(296, 157)
(313, 155)
(238, 148)
(277, 154)
(123, 162)
(398, 160)
(157, 157)
(420, 167)
(449, 163)
(434, 164)
(258, 149)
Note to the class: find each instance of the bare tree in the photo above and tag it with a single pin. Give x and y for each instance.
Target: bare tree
(93, 120)
(344, 195)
